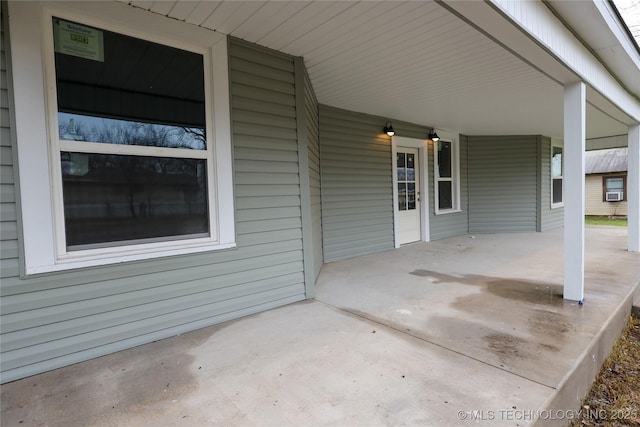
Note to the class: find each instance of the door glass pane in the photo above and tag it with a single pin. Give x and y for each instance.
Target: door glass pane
(445, 195)
(114, 198)
(402, 196)
(411, 196)
(118, 89)
(400, 164)
(411, 171)
(444, 159)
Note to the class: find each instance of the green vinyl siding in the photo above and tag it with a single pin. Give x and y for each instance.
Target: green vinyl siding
(313, 147)
(548, 218)
(9, 248)
(308, 246)
(357, 199)
(52, 320)
(502, 184)
(357, 196)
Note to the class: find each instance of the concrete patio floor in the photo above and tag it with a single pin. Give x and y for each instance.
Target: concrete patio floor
(463, 331)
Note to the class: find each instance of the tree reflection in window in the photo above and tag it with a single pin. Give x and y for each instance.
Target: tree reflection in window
(76, 127)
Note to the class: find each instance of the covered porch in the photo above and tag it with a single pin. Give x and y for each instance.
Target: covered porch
(305, 90)
(466, 330)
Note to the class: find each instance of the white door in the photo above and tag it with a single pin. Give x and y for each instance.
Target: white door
(408, 173)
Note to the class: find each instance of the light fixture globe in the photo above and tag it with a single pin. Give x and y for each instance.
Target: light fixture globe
(388, 129)
(433, 135)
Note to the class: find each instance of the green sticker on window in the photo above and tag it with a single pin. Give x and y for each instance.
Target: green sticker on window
(78, 40)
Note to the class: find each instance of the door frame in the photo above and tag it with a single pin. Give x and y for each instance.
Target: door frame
(423, 157)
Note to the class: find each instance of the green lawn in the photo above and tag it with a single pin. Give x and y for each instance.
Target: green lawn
(604, 220)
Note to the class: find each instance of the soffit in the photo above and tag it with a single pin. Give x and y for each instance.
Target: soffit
(413, 61)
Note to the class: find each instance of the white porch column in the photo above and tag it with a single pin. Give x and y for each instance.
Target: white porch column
(633, 189)
(573, 197)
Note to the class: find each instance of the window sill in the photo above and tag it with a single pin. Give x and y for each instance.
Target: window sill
(117, 255)
(557, 206)
(448, 211)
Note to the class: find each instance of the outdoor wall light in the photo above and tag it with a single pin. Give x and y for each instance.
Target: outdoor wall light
(433, 135)
(388, 129)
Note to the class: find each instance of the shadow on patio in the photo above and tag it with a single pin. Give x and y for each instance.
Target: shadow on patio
(423, 335)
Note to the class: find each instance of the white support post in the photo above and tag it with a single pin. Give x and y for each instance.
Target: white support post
(633, 189)
(573, 195)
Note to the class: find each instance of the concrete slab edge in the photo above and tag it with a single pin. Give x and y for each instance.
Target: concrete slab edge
(566, 401)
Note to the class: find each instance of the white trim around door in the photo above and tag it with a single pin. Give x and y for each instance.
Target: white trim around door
(423, 198)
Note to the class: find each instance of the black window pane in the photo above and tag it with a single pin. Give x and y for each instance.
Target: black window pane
(557, 191)
(445, 195)
(110, 199)
(444, 159)
(132, 91)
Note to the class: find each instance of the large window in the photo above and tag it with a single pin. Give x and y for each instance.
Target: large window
(446, 176)
(132, 138)
(614, 188)
(557, 180)
(139, 158)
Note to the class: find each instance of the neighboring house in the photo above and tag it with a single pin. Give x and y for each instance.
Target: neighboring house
(606, 182)
(171, 165)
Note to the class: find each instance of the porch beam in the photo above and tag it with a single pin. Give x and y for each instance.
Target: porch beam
(633, 189)
(574, 191)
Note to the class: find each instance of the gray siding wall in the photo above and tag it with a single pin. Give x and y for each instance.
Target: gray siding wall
(357, 199)
(548, 218)
(357, 196)
(502, 184)
(313, 146)
(53, 320)
(8, 212)
(452, 224)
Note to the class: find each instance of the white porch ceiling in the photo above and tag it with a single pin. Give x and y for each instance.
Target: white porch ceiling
(405, 60)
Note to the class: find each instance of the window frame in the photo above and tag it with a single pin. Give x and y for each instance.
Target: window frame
(624, 186)
(453, 138)
(39, 147)
(556, 205)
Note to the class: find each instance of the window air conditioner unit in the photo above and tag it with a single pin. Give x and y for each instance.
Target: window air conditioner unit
(613, 196)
